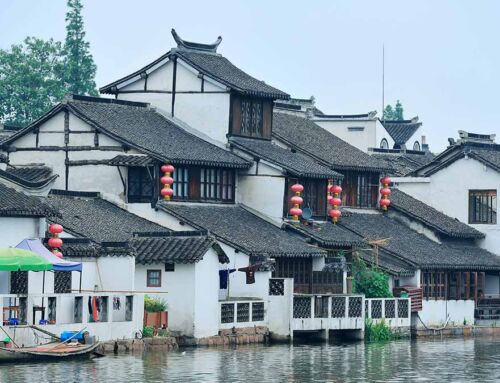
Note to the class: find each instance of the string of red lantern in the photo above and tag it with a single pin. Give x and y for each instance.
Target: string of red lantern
(167, 192)
(55, 242)
(335, 201)
(385, 192)
(296, 200)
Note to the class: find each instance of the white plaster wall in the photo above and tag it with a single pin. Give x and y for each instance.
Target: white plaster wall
(381, 133)
(206, 299)
(102, 178)
(116, 273)
(160, 217)
(177, 289)
(417, 136)
(15, 229)
(262, 193)
(360, 139)
(279, 312)
(448, 191)
(435, 313)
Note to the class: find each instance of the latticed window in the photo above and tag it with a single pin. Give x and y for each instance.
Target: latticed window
(19, 282)
(140, 185)
(360, 189)
(154, 278)
(62, 282)
(251, 117)
(483, 206)
(181, 183)
(216, 184)
(314, 195)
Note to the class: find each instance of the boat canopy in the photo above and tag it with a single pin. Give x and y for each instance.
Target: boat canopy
(13, 259)
(36, 246)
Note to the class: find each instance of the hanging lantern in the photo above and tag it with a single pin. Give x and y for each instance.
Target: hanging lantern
(57, 253)
(167, 192)
(296, 200)
(335, 201)
(55, 228)
(55, 242)
(385, 192)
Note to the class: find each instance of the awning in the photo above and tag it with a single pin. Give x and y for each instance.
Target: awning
(36, 246)
(13, 259)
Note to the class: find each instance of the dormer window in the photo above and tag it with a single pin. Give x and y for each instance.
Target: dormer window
(251, 117)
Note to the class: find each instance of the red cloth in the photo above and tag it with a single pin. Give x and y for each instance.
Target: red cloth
(250, 272)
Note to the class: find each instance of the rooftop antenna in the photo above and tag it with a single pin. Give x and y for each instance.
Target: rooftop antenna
(383, 81)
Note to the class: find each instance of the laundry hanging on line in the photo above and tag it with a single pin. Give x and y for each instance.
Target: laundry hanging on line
(223, 277)
(250, 272)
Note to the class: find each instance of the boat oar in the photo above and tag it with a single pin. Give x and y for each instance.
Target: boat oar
(12, 340)
(45, 332)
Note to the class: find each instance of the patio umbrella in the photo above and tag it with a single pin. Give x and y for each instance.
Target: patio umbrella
(59, 264)
(13, 259)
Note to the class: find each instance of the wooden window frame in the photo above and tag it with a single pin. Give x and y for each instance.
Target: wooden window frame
(476, 214)
(360, 189)
(452, 285)
(314, 195)
(148, 276)
(139, 198)
(181, 184)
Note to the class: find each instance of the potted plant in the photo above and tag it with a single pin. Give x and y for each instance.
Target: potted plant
(155, 312)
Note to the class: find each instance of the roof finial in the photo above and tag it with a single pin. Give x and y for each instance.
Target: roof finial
(183, 44)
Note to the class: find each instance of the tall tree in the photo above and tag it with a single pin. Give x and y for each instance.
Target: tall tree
(388, 113)
(30, 80)
(398, 111)
(79, 65)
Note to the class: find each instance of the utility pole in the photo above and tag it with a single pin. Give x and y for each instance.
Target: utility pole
(383, 81)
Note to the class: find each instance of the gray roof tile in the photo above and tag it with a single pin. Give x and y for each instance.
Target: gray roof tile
(401, 131)
(296, 164)
(305, 136)
(17, 204)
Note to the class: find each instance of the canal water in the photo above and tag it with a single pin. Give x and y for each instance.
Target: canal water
(447, 360)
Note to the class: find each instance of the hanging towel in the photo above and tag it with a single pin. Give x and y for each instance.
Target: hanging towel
(223, 277)
(250, 272)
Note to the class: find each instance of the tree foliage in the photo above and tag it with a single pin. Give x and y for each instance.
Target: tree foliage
(30, 79)
(36, 74)
(394, 113)
(79, 65)
(369, 281)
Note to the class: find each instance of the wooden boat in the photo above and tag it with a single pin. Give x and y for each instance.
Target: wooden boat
(52, 351)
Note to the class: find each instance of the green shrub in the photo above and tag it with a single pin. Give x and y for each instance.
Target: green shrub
(147, 332)
(377, 332)
(369, 281)
(154, 305)
(163, 332)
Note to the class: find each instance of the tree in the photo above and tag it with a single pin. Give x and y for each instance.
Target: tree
(388, 113)
(369, 280)
(395, 113)
(30, 80)
(79, 65)
(398, 111)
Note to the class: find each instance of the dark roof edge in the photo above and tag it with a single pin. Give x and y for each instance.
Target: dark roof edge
(25, 183)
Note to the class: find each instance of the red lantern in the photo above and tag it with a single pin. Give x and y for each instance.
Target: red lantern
(55, 242)
(336, 189)
(385, 191)
(296, 200)
(385, 203)
(166, 180)
(55, 228)
(335, 201)
(167, 169)
(297, 188)
(295, 211)
(57, 253)
(167, 192)
(385, 181)
(334, 213)
(329, 198)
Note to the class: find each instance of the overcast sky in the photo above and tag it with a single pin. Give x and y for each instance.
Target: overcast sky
(442, 57)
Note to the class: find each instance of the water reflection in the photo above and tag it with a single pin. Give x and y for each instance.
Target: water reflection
(457, 360)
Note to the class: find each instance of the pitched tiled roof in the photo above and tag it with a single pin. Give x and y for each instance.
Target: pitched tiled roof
(416, 249)
(401, 130)
(176, 248)
(203, 58)
(29, 176)
(436, 220)
(305, 136)
(87, 215)
(387, 262)
(242, 230)
(80, 247)
(296, 164)
(131, 160)
(150, 132)
(17, 204)
(402, 164)
(221, 69)
(487, 154)
(326, 234)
